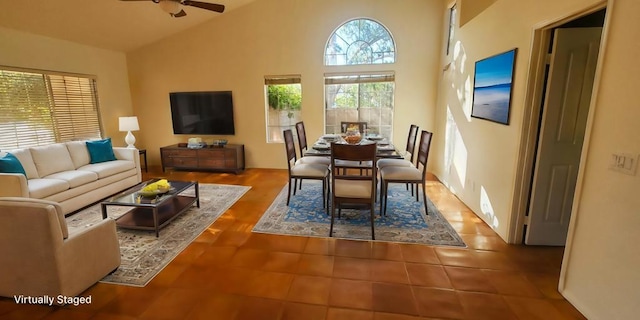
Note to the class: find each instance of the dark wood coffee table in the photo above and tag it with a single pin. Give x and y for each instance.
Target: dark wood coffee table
(153, 213)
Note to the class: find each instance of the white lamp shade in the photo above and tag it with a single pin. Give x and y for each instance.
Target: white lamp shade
(129, 124)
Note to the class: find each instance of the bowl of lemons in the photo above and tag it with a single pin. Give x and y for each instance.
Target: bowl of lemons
(159, 187)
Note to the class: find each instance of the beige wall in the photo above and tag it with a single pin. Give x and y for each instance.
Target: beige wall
(269, 37)
(477, 159)
(24, 50)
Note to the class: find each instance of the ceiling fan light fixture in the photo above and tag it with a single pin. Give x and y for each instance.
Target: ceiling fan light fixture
(170, 7)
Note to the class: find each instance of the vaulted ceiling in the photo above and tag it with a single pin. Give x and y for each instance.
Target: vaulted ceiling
(109, 24)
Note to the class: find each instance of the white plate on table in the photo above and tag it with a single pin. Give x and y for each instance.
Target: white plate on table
(321, 147)
(387, 147)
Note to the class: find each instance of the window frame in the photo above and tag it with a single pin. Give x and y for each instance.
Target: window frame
(293, 116)
(60, 106)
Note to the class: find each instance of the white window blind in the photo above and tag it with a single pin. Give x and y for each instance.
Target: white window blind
(39, 108)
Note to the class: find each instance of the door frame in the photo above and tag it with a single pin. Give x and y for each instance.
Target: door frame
(532, 116)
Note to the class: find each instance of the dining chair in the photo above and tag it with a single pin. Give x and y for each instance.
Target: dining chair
(413, 175)
(362, 126)
(409, 151)
(302, 145)
(301, 171)
(349, 187)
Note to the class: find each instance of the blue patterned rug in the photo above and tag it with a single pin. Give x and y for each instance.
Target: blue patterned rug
(405, 220)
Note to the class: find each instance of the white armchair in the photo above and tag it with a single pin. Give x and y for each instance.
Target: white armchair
(40, 257)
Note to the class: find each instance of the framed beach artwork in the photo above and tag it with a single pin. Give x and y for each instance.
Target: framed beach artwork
(492, 86)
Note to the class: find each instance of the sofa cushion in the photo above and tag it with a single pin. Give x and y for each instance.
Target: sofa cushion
(74, 177)
(79, 153)
(24, 155)
(105, 169)
(10, 164)
(41, 188)
(51, 158)
(100, 150)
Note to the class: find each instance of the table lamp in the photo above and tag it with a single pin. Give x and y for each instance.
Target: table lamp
(129, 124)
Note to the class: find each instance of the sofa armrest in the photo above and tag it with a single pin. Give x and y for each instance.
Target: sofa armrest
(131, 154)
(88, 255)
(13, 185)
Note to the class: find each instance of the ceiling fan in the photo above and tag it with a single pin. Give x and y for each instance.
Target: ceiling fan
(174, 7)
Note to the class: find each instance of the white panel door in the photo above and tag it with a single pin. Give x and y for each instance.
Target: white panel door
(568, 96)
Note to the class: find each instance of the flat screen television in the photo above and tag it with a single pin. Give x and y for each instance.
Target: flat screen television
(205, 112)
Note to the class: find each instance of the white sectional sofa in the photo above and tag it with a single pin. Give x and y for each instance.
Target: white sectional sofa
(63, 173)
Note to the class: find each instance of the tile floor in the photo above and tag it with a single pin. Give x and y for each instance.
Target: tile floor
(231, 273)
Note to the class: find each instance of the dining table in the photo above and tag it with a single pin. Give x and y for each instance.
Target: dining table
(322, 146)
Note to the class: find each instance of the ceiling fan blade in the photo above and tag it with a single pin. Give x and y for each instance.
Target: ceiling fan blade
(179, 14)
(204, 5)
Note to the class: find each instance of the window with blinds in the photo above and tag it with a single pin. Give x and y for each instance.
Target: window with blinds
(360, 97)
(284, 104)
(39, 108)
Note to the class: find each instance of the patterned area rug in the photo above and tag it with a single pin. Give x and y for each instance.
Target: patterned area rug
(405, 220)
(144, 255)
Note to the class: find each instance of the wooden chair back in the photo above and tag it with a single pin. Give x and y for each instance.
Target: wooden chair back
(411, 141)
(302, 137)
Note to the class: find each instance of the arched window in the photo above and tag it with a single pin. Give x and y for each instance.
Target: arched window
(366, 95)
(360, 41)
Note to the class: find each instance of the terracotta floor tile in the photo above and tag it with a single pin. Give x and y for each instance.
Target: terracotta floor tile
(190, 253)
(310, 289)
(469, 279)
(495, 260)
(174, 304)
(109, 316)
(192, 278)
(276, 242)
(532, 308)
(249, 258)
(282, 262)
(546, 283)
(215, 256)
(394, 316)
(352, 268)
(428, 275)
(316, 265)
(223, 306)
(483, 242)
(485, 306)
(389, 271)
(438, 303)
(353, 248)
(354, 294)
(324, 246)
(512, 283)
(133, 301)
(386, 251)
(393, 298)
(418, 253)
(231, 279)
(568, 310)
(348, 314)
(268, 284)
(458, 257)
(259, 308)
(66, 314)
(301, 311)
(231, 238)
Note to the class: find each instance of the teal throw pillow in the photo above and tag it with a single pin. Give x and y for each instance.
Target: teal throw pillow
(100, 150)
(10, 164)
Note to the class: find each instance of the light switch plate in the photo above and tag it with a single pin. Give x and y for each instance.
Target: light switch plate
(624, 163)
